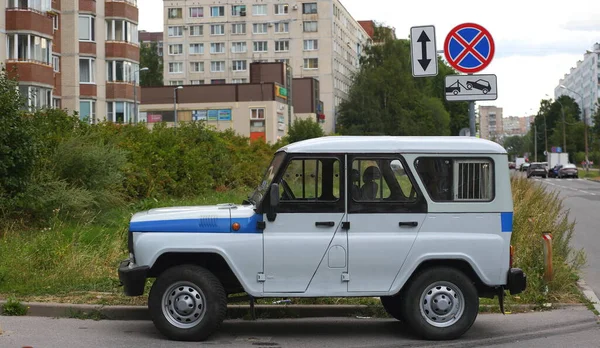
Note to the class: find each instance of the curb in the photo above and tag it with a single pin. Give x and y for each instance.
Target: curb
(97, 312)
(589, 294)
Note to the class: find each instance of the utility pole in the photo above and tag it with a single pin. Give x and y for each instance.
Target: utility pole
(534, 141)
(175, 104)
(135, 101)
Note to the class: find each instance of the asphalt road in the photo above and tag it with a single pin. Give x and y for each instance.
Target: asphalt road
(569, 327)
(582, 198)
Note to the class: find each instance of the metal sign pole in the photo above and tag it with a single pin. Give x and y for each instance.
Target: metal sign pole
(472, 118)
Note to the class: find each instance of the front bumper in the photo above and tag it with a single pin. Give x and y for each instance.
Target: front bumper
(132, 277)
(517, 281)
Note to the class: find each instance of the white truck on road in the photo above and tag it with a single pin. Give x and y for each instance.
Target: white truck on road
(555, 158)
(424, 223)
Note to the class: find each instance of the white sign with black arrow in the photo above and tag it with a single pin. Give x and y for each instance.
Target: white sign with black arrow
(423, 51)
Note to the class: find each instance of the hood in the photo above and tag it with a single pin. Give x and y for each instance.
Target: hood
(196, 219)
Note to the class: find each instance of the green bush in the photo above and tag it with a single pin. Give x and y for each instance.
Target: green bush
(14, 307)
(536, 211)
(302, 129)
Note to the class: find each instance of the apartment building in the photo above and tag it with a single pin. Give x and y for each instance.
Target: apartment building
(491, 124)
(80, 55)
(583, 83)
(148, 38)
(212, 42)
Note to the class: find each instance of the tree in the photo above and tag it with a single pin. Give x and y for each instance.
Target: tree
(150, 59)
(385, 99)
(302, 129)
(515, 145)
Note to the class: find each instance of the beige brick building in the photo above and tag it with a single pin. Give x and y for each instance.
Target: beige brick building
(213, 42)
(491, 124)
(81, 55)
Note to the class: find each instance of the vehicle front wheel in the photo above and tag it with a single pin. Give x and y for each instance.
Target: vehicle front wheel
(440, 303)
(393, 306)
(187, 303)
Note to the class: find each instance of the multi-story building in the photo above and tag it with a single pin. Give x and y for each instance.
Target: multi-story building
(583, 81)
(80, 55)
(148, 38)
(491, 123)
(213, 42)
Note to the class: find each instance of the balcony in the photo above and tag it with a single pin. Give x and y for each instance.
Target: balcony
(29, 71)
(87, 6)
(122, 9)
(121, 90)
(19, 19)
(117, 49)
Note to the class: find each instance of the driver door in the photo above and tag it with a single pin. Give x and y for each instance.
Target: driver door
(304, 241)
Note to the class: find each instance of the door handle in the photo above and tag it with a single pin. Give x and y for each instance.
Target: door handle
(325, 223)
(408, 223)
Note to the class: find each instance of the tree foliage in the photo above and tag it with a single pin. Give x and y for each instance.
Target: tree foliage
(516, 145)
(150, 59)
(302, 129)
(385, 99)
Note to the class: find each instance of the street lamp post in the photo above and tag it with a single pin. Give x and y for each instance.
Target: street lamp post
(585, 128)
(175, 103)
(135, 101)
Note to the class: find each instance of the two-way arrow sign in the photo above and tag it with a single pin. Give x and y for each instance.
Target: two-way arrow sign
(423, 51)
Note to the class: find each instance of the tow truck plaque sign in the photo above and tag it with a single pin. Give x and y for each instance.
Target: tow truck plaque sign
(471, 87)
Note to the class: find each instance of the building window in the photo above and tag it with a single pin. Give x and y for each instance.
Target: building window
(218, 81)
(122, 30)
(257, 114)
(56, 103)
(311, 45)
(175, 49)
(282, 46)
(259, 10)
(309, 8)
(87, 28)
(197, 82)
(239, 81)
(38, 5)
(217, 11)
(29, 47)
(55, 22)
(285, 61)
(56, 63)
(196, 48)
(281, 9)
(121, 71)
(87, 110)
(37, 97)
(176, 31)
(260, 46)
(238, 10)
(311, 26)
(217, 29)
(282, 27)
(196, 30)
(175, 13)
(259, 28)
(87, 70)
(238, 47)
(239, 65)
(311, 63)
(175, 82)
(197, 66)
(217, 47)
(196, 12)
(175, 67)
(217, 66)
(119, 112)
(238, 28)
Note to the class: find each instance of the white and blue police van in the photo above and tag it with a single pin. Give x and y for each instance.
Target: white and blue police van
(424, 223)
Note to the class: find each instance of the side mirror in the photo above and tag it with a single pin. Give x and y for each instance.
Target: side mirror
(273, 202)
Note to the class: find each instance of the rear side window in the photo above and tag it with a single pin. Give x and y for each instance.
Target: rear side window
(457, 179)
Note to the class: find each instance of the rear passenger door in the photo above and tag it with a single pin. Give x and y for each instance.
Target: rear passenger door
(385, 212)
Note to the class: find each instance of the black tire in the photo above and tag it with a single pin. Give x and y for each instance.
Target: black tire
(393, 306)
(447, 278)
(211, 292)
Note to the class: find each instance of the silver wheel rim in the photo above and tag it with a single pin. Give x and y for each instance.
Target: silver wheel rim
(184, 305)
(442, 304)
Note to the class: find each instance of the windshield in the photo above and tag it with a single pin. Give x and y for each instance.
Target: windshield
(570, 165)
(258, 194)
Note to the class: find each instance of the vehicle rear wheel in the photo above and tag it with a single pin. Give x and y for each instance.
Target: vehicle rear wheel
(440, 303)
(393, 306)
(187, 303)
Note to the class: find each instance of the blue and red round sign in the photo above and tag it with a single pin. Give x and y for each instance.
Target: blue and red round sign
(469, 48)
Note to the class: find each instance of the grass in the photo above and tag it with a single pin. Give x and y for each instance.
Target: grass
(76, 262)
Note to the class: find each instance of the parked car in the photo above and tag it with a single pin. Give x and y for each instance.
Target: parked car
(553, 172)
(537, 169)
(524, 166)
(568, 171)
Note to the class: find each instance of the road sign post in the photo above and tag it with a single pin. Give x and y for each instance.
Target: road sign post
(423, 51)
(469, 48)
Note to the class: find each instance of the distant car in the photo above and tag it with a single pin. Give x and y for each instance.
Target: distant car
(480, 84)
(512, 165)
(553, 172)
(568, 171)
(524, 166)
(537, 169)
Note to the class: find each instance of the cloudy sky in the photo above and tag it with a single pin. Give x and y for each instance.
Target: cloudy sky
(537, 41)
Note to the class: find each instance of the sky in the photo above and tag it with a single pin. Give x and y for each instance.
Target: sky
(537, 41)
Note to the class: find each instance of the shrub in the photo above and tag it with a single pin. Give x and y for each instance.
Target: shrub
(302, 129)
(537, 210)
(14, 307)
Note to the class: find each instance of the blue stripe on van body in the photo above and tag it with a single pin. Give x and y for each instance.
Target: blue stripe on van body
(203, 225)
(506, 220)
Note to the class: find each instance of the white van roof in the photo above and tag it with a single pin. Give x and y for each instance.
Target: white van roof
(412, 144)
